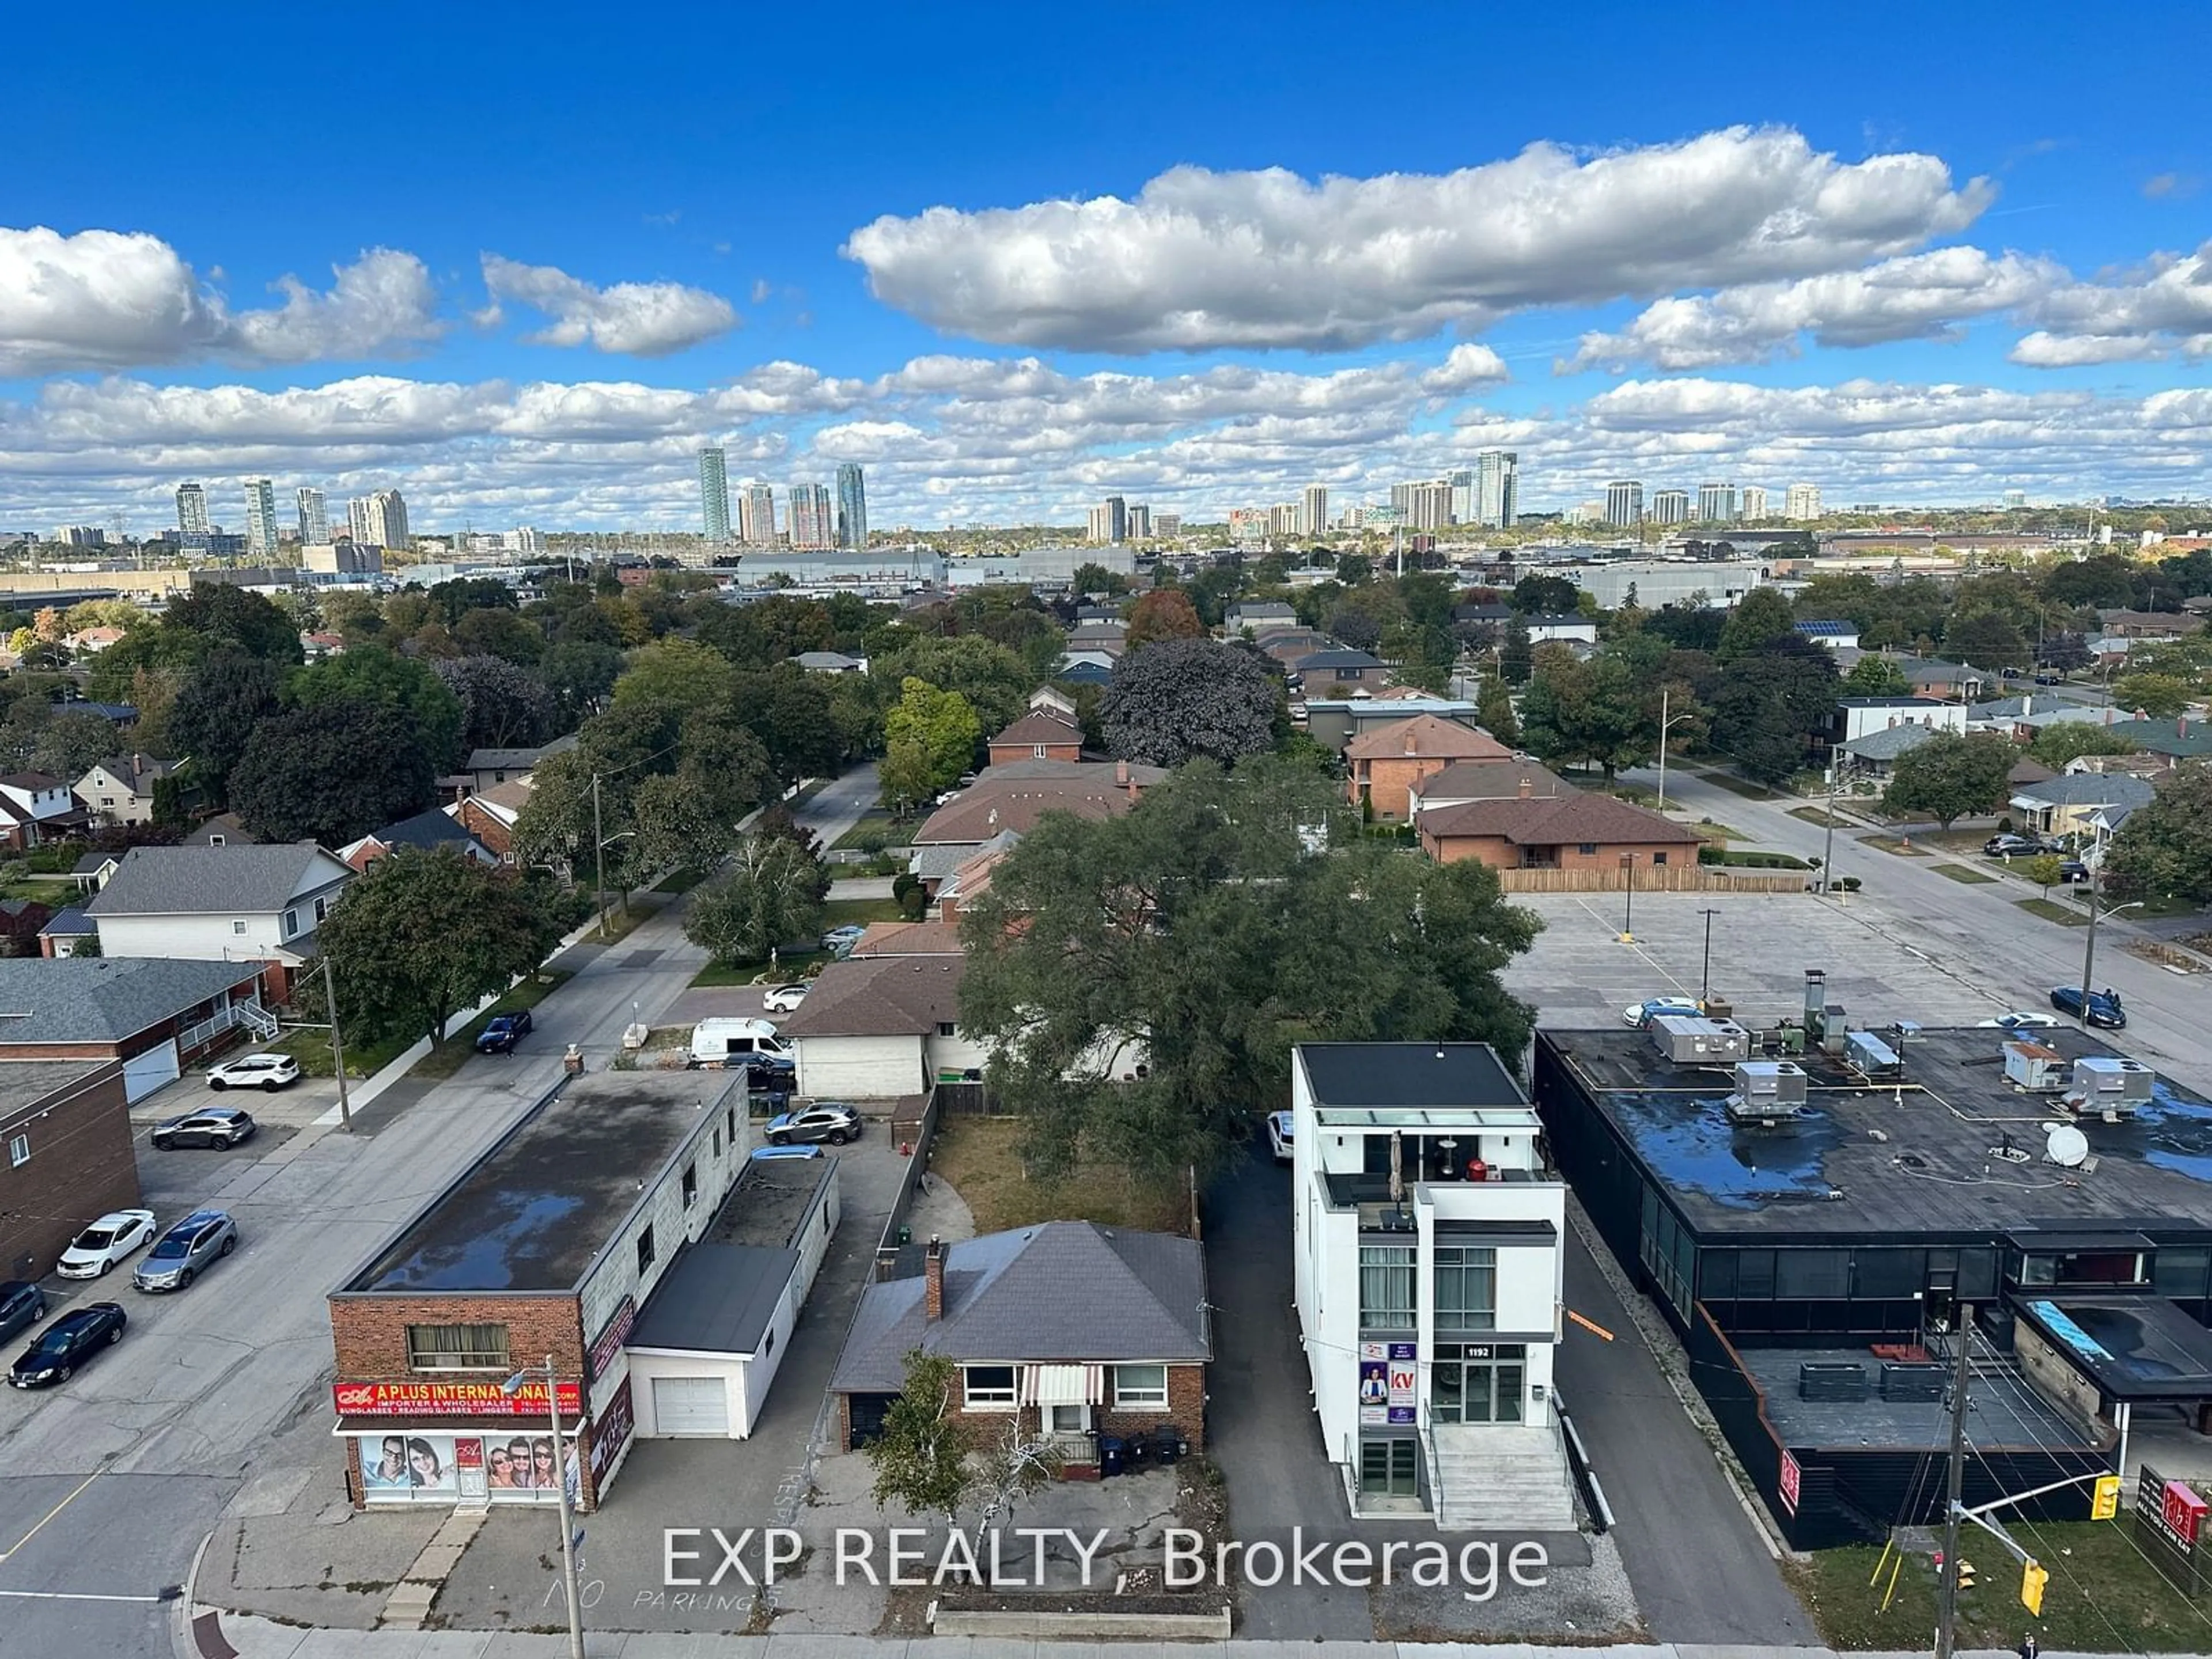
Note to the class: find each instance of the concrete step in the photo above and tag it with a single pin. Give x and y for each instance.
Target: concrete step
(1502, 1478)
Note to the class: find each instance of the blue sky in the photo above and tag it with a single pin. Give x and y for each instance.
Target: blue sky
(532, 261)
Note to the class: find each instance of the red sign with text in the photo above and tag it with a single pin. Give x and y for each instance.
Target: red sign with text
(2184, 1511)
(1793, 1480)
(449, 1400)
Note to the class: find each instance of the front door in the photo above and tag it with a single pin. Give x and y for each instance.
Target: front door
(1478, 1382)
(1390, 1468)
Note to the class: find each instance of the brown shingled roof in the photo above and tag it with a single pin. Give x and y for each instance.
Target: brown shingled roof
(1554, 823)
(1465, 781)
(909, 939)
(1429, 736)
(881, 996)
(978, 813)
(1040, 726)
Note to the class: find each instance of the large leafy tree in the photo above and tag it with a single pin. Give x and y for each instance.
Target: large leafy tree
(941, 724)
(1595, 712)
(219, 706)
(2066, 740)
(768, 895)
(2165, 846)
(1760, 617)
(332, 772)
(375, 675)
(1180, 699)
(1951, 775)
(1875, 676)
(1165, 613)
(502, 706)
(424, 933)
(2160, 696)
(233, 618)
(1227, 916)
(996, 682)
(1988, 638)
(1767, 705)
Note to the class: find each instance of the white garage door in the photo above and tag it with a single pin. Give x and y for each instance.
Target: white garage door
(144, 1073)
(691, 1405)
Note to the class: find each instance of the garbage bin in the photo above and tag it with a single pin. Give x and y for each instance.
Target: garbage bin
(905, 1235)
(1167, 1445)
(1112, 1454)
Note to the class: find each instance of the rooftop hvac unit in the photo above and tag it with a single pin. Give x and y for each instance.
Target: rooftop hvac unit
(1872, 1057)
(2104, 1084)
(1766, 1090)
(2034, 1065)
(1831, 1029)
(1688, 1040)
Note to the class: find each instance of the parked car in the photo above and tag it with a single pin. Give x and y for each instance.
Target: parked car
(108, 1240)
(200, 1240)
(2020, 1019)
(2049, 679)
(826, 1120)
(269, 1071)
(67, 1344)
(2104, 1007)
(23, 1305)
(2009, 846)
(1279, 1136)
(503, 1031)
(2073, 870)
(218, 1126)
(784, 999)
(839, 941)
(777, 1154)
(1641, 1014)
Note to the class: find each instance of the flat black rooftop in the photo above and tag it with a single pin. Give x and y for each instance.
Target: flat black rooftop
(532, 1212)
(769, 1203)
(1409, 1074)
(1861, 1160)
(2001, 1412)
(715, 1298)
(2137, 1347)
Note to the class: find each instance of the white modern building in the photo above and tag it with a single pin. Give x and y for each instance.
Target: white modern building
(1497, 488)
(314, 516)
(1313, 521)
(1624, 502)
(1801, 504)
(1751, 504)
(191, 509)
(260, 517)
(1670, 506)
(1427, 1248)
(1717, 503)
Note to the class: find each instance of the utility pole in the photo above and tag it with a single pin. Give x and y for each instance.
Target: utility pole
(1828, 845)
(1665, 691)
(1947, 1585)
(599, 858)
(338, 1045)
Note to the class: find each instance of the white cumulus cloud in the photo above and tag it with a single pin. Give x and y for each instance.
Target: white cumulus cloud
(2147, 313)
(640, 320)
(1202, 260)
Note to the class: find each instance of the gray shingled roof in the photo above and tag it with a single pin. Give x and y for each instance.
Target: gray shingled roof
(1890, 742)
(158, 881)
(1063, 1291)
(2086, 789)
(103, 999)
(429, 830)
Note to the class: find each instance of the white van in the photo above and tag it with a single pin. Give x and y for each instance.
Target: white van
(733, 1040)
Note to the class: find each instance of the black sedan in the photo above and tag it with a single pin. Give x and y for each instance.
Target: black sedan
(67, 1344)
(21, 1306)
(2104, 1007)
(504, 1032)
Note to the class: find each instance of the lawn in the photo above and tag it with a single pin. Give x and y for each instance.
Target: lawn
(840, 913)
(1635, 795)
(1963, 874)
(55, 892)
(446, 1059)
(792, 964)
(2102, 1598)
(1720, 833)
(1902, 846)
(978, 1156)
(311, 1046)
(1819, 815)
(1736, 785)
(2052, 910)
(878, 829)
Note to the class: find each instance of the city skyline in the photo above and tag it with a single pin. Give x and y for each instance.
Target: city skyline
(1912, 299)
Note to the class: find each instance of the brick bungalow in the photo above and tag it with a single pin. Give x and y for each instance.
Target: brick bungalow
(1388, 760)
(1041, 734)
(489, 816)
(1588, 833)
(1075, 1330)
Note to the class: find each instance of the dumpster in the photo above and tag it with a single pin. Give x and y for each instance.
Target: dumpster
(1112, 1454)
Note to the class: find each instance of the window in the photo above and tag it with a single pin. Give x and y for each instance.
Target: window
(457, 1347)
(1139, 1386)
(322, 908)
(1812, 1275)
(1588, 849)
(107, 800)
(1658, 860)
(718, 1140)
(1067, 1420)
(1037, 751)
(1466, 1288)
(691, 1185)
(291, 923)
(729, 1124)
(215, 840)
(1386, 1287)
(988, 1388)
(644, 1249)
(19, 1151)
(238, 928)
(945, 1028)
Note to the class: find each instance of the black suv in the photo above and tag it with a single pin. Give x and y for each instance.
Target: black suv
(67, 1343)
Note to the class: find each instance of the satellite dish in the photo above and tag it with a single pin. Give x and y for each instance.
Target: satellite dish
(2067, 1146)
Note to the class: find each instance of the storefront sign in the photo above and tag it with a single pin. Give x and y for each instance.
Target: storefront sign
(440, 1468)
(1405, 1384)
(612, 1339)
(1792, 1482)
(2183, 1511)
(1389, 1384)
(450, 1399)
(611, 1433)
(468, 1466)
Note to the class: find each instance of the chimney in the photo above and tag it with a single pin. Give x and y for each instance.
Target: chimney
(1528, 787)
(2181, 726)
(1121, 773)
(933, 1294)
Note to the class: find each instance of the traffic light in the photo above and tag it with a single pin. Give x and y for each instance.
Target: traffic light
(2106, 1503)
(2033, 1578)
(1965, 1574)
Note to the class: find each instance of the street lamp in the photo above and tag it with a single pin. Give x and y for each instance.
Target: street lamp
(512, 1385)
(1706, 972)
(1628, 897)
(1665, 726)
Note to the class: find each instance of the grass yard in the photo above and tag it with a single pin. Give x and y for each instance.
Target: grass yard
(311, 1047)
(878, 829)
(1736, 785)
(792, 964)
(1720, 834)
(1635, 795)
(2139, 910)
(1965, 874)
(978, 1156)
(842, 913)
(55, 892)
(2102, 1598)
(2052, 910)
(1902, 846)
(446, 1059)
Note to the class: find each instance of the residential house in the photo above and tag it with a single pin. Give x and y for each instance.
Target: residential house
(1086, 668)
(1289, 645)
(118, 715)
(90, 872)
(1875, 754)
(1339, 665)
(35, 809)
(1014, 796)
(908, 938)
(428, 829)
(1428, 1243)
(1943, 680)
(120, 789)
(489, 816)
(1336, 721)
(153, 1015)
(91, 642)
(1041, 734)
(971, 878)
(2149, 624)
(1569, 629)
(2021, 717)
(1465, 781)
(1603, 839)
(223, 830)
(1856, 716)
(317, 645)
(488, 769)
(830, 662)
(1496, 616)
(881, 1028)
(1068, 1330)
(1386, 761)
(2178, 739)
(1836, 635)
(1258, 615)
(1108, 639)
(70, 1158)
(249, 904)
(67, 932)
(2064, 805)
(21, 921)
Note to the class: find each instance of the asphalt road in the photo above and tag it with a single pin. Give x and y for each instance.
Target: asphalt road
(108, 1483)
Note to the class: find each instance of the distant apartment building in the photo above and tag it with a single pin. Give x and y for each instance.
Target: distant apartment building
(1283, 521)
(1167, 526)
(1141, 522)
(1716, 503)
(1670, 506)
(852, 507)
(715, 495)
(1624, 502)
(191, 509)
(1423, 506)
(1313, 516)
(1109, 522)
(260, 517)
(756, 508)
(1497, 488)
(342, 559)
(1752, 503)
(812, 518)
(1248, 524)
(1802, 503)
(387, 521)
(1461, 480)
(314, 518)
(357, 520)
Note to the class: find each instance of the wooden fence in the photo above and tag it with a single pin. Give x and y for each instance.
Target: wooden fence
(1682, 878)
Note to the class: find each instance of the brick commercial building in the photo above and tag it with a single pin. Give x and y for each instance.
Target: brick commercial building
(551, 1244)
(67, 1130)
(1596, 835)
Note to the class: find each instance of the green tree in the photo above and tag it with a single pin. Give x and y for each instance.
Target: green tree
(1539, 595)
(1097, 579)
(906, 776)
(234, 619)
(940, 723)
(1493, 709)
(1516, 657)
(502, 706)
(1951, 775)
(221, 704)
(996, 682)
(1874, 676)
(767, 897)
(1596, 713)
(2160, 696)
(1759, 618)
(2043, 870)
(375, 675)
(1165, 613)
(1986, 640)
(2165, 846)
(425, 933)
(2068, 741)
(677, 673)
(1183, 698)
(919, 1458)
(332, 773)
(676, 824)
(1353, 568)
(1766, 706)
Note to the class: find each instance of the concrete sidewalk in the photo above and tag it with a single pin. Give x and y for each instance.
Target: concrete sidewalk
(259, 1638)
